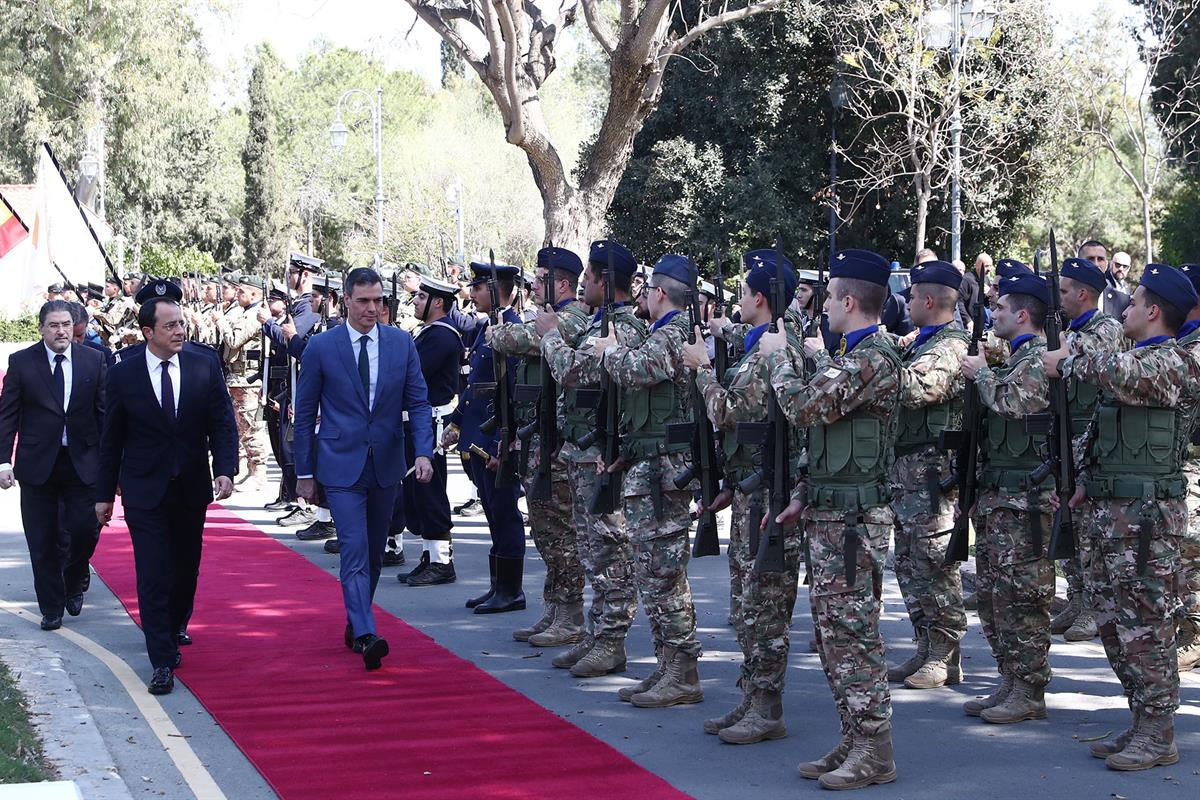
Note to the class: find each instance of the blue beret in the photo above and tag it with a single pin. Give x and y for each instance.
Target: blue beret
(159, 287)
(559, 258)
(1008, 267)
(936, 272)
(862, 265)
(623, 260)
(1084, 271)
(681, 268)
(760, 269)
(1171, 285)
(1193, 273)
(1026, 283)
(484, 271)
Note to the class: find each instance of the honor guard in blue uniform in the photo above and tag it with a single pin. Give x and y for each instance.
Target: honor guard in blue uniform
(475, 408)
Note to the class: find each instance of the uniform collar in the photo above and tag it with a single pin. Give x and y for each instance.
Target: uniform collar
(927, 332)
(854, 337)
(1153, 340)
(1187, 328)
(753, 335)
(616, 305)
(1082, 319)
(665, 319)
(1016, 343)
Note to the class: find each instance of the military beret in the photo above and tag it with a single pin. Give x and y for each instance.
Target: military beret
(132, 276)
(277, 294)
(861, 265)
(484, 271)
(419, 269)
(214, 279)
(1171, 285)
(1084, 271)
(433, 286)
(159, 287)
(760, 266)
(253, 281)
(1193, 273)
(559, 258)
(622, 260)
(936, 272)
(232, 277)
(1026, 283)
(681, 268)
(1008, 267)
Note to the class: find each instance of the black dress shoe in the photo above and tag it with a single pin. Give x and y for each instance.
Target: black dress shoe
(178, 659)
(393, 558)
(162, 682)
(404, 577)
(349, 636)
(298, 517)
(433, 575)
(333, 547)
(280, 505)
(75, 604)
(182, 638)
(316, 532)
(373, 649)
(50, 623)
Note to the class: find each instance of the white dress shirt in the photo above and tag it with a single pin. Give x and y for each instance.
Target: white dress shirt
(66, 367)
(372, 355)
(154, 366)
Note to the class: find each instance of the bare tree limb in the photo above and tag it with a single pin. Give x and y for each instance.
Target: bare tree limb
(599, 28)
(717, 20)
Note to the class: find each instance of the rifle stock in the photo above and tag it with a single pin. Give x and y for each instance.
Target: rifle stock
(501, 421)
(607, 497)
(703, 464)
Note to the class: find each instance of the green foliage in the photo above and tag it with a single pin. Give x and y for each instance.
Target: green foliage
(266, 220)
(20, 750)
(172, 261)
(21, 329)
(1179, 236)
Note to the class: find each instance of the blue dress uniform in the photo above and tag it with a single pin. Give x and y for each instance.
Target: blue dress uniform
(505, 525)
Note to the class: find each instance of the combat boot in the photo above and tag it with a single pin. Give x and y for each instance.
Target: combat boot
(973, 708)
(1152, 745)
(1083, 628)
(626, 693)
(1188, 645)
(944, 666)
(1066, 618)
(567, 627)
(971, 601)
(679, 684)
(717, 724)
(567, 660)
(1118, 743)
(828, 762)
(605, 657)
(1025, 701)
(524, 634)
(763, 720)
(869, 761)
(898, 673)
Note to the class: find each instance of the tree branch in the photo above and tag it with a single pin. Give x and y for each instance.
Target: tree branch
(717, 20)
(516, 126)
(599, 28)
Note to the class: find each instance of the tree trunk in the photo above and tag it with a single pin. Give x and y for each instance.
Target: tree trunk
(1147, 232)
(923, 195)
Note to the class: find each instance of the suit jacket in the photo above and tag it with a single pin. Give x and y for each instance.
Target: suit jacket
(329, 381)
(28, 407)
(140, 445)
(137, 352)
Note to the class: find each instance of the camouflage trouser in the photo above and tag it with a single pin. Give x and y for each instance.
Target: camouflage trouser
(761, 604)
(1075, 569)
(1189, 554)
(846, 618)
(606, 555)
(551, 526)
(1136, 613)
(932, 591)
(251, 434)
(661, 552)
(1016, 586)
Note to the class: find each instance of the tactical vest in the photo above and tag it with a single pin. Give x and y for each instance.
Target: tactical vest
(580, 403)
(919, 427)
(646, 412)
(1137, 451)
(1011, 454)
(849, 460)
(528, 373)
(1082, 397)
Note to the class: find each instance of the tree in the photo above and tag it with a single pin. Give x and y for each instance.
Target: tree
(518, 54)
(266, 220)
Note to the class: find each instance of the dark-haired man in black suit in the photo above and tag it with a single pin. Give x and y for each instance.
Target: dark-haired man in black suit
(54, 400)
(166, 412)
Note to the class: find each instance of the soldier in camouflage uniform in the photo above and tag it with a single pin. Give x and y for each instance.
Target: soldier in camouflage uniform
(655, 392)
(241, 336)
(1188, 614)
(1133, 473)
(550, 520)
(1015, 580)
(931, 401)
(1090, 333)
(848, 407)
(602, 543)
(760, 604)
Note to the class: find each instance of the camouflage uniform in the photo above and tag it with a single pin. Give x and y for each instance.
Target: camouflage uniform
(1133, 472)
(550, 521)
(930, 396)
(240, 333)
(1188, 612)
(855, 393)
(1015, 580)
(602, 544)
(654, 391)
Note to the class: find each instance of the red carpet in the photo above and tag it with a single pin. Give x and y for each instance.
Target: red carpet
(270, 666)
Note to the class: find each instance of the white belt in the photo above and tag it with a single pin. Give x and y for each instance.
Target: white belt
(438, 412)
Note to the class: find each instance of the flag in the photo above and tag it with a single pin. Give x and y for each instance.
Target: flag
(12, 230)
(66, 246)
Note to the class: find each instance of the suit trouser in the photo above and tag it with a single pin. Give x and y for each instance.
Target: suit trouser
(362, 514)
(500, 507)
(167, 541)
(59, 517)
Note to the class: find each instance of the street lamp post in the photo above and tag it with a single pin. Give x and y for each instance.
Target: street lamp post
(454, 196)
(339, 133)
(837, 101)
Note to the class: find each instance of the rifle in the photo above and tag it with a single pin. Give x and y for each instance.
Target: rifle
(607, 498)
(546, 425)
(772, 440)
(721, 347)
(699, 434)
(394, 303)
(501, 419)
(1055, 425)
(964, 443)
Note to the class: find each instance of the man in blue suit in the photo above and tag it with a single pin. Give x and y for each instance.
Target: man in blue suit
(361, 378)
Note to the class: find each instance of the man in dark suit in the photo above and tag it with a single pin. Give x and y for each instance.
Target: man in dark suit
(54, 400)
(363, 376)
(166, 411)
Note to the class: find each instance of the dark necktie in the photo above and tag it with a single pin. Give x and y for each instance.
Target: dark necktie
(364, 367)
(168, 391)
(60, 383)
